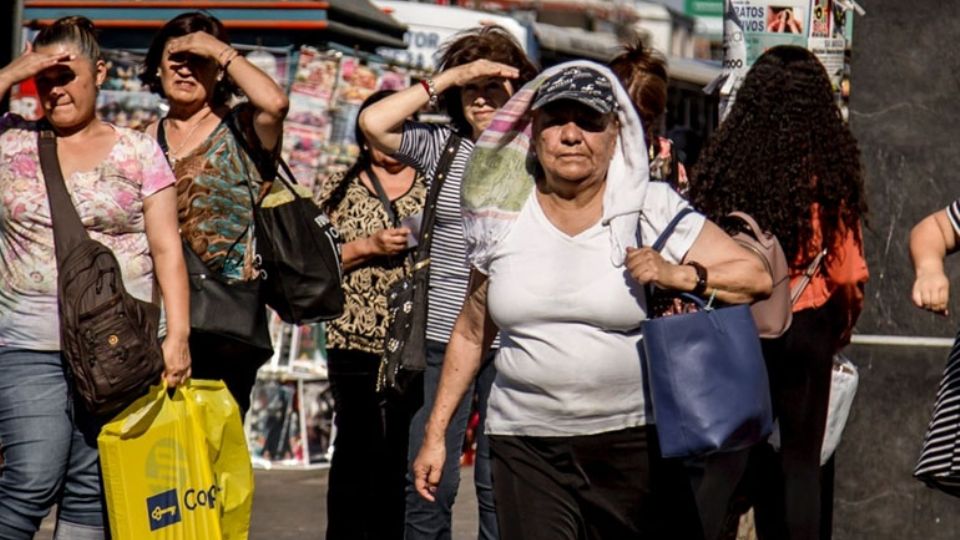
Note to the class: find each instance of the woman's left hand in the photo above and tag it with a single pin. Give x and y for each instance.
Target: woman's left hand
(198, 43)
(647, 266)
(176, 360)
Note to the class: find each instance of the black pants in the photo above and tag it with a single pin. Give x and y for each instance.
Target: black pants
(793, 495)
(365, 498)
(605, 486)
(226, 360)
(715, 480)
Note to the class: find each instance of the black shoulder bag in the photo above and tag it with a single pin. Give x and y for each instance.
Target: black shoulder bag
(405, 347)
(108, 338)
(299, 253)
(227, 317)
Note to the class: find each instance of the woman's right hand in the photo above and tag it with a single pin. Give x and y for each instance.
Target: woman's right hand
(428, 467)
(29, 64)
(478, 69)
(931, 291)
(388, 241)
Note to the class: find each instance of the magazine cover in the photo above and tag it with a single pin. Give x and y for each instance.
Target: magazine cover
(357, 81)
(304, 148)
(316, 74)
(273, 422)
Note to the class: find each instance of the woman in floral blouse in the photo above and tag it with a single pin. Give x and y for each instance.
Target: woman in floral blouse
(119, 182)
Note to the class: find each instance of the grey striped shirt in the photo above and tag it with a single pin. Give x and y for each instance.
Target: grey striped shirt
(420, 147)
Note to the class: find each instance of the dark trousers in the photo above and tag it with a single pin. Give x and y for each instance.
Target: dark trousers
(365, 498)
(433, 520)
(225, 360)
(604, 486)
(793, 495)
(715, 480)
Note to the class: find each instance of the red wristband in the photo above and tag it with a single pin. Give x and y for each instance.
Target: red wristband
(426, 87)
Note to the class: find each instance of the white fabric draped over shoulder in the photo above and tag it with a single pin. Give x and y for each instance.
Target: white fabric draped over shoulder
(500, 174)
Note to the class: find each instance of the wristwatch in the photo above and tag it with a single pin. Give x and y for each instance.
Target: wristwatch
(701, 286)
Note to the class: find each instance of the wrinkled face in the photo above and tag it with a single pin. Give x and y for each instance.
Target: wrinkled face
(482, 98)
(573, 142)
(187, 78)
(68, 90)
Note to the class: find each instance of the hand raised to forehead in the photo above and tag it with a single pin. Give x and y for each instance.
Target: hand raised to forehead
(481, 69)
(31, 62)
(197, 43)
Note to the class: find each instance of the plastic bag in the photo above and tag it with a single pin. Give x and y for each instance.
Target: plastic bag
(176, 467)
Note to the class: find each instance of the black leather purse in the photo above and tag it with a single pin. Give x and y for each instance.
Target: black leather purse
(228, 318)
(405, 348)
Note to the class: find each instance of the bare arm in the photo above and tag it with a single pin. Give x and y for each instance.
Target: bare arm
(931, 241)
(382, 122)
(265, 95)
(163, 236)
(737, 276)
(472, 336)
(382, 243)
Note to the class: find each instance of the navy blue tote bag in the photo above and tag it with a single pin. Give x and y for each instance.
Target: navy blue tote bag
(707, 377)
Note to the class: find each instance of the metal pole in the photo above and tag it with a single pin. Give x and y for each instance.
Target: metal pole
(16, 33)
(901, 341)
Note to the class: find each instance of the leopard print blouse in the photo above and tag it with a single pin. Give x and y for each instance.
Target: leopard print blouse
(359, 214)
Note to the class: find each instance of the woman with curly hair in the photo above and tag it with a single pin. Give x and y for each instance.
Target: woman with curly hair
(784, 156)
(477, 73)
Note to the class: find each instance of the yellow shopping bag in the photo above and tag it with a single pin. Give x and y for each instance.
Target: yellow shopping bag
(176, 467)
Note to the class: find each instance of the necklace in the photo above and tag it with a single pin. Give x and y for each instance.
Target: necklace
(170, 153)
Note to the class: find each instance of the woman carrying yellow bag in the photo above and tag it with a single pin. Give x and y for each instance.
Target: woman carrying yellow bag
(175, 466)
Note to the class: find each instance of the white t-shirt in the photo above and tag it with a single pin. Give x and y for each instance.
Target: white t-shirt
(569, 320)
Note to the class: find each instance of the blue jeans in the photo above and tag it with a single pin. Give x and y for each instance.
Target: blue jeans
(431, 520)
(49, 450)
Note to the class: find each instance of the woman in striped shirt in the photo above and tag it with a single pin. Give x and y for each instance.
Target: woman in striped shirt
(479, 71)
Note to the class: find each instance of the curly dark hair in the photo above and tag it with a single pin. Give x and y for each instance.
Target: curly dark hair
(783, 148)
(181, 25)
(643, 73)
(490, 42)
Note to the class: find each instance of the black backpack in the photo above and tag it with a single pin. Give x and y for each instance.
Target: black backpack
(108, 338)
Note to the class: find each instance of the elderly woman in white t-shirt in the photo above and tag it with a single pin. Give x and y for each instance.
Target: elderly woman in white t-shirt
(553, 198)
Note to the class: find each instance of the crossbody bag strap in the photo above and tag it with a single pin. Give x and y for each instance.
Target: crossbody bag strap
(68, 229)
(808, 274)
(382, 195)
(433, 197)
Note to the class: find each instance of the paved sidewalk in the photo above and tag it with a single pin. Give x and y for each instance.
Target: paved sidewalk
(291, 505)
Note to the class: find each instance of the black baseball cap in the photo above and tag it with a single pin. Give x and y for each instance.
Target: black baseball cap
(581, 84)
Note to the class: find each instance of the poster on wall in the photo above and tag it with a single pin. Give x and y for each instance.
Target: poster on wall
(123, 100)
(825, 27)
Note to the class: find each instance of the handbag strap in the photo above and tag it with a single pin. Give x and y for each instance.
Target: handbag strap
(668, 231)
(382, 195)
(808, 274)
(68, 229)
(430, 206)
(165, 147)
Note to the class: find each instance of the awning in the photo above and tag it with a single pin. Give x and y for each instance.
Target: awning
(561, 42)
(296, 20)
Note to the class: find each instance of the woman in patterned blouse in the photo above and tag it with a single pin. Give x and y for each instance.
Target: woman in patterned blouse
(370, 454)
(191, 63)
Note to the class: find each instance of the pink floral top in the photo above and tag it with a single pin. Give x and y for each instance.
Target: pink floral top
(109, 200)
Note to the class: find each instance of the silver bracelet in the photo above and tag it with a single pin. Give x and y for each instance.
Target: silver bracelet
(431, 89)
